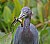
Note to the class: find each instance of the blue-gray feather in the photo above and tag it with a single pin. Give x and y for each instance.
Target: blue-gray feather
(17, 38)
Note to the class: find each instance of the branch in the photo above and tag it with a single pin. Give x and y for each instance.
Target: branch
(40, 24)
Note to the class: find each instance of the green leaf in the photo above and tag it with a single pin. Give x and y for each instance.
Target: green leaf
(48, 28)
(44, 1)
(43, 36)
(33, 3)
(17, 8)
(43, 32)
(7, 15)
(40, 8)
(49, 12)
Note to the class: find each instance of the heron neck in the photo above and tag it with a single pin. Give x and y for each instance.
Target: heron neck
(27, 24)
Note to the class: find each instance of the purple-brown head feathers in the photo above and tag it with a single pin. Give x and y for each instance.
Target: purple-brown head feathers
(26, 12)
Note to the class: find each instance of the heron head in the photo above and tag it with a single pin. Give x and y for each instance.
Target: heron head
(25, 13)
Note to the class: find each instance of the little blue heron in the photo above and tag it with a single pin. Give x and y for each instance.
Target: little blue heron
(26, 34)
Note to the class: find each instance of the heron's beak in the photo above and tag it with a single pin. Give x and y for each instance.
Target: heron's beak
(19, 19)
(22, 15)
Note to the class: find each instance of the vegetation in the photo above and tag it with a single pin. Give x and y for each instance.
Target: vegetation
(40, 18)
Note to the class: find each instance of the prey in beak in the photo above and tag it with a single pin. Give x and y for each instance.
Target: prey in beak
(19, 19)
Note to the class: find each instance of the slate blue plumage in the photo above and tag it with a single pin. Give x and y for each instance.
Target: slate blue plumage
(28, 34)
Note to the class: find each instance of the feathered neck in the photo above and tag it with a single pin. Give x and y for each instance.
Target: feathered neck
(26, 25)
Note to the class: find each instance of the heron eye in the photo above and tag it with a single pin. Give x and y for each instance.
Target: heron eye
(27, 12)
(23, 15)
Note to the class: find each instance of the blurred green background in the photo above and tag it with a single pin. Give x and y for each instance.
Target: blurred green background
(41, 18)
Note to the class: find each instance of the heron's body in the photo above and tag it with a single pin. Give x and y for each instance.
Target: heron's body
(18, 36)
(26, 34)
